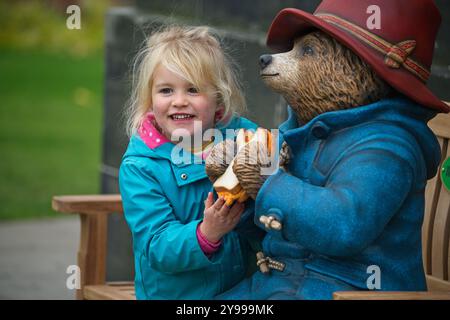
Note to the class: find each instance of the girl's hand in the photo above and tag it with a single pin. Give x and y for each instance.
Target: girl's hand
(219, 219)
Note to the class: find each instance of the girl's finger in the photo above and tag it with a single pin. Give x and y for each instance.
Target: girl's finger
(219, 204)
(209, 200)
(236, 210)
(224, 210)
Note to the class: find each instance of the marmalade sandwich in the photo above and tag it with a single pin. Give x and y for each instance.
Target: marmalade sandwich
(227, 185)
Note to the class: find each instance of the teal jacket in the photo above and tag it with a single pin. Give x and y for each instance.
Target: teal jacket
(163, 203)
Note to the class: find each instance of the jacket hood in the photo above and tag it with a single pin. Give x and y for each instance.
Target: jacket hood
(400, 111)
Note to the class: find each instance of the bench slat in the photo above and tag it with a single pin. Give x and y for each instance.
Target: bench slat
(386, 295)
(109, 292)
(439, 125)
(439, 265)
(436, 284)
(432, 191)
(88, 204)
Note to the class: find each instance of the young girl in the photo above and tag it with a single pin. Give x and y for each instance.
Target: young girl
(184, 247)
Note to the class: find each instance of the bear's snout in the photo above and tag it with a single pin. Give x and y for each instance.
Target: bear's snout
(265, 60)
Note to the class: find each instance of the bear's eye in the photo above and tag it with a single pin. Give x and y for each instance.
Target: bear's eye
(307, 51)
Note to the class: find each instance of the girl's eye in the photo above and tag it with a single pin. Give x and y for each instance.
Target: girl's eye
(193, 90)
(165, 90)
(307, 51)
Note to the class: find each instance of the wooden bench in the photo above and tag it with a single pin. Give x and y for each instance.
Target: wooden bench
(94, 210)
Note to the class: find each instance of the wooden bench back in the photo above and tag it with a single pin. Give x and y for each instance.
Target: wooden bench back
(436, 225)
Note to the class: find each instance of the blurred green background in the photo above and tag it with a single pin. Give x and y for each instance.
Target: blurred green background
(51, 87)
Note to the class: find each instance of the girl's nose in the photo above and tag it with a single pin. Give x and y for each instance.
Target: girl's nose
(180, 100)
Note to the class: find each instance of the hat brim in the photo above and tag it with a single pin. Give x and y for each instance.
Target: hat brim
(291, 23)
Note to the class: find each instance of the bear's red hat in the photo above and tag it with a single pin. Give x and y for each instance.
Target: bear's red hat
(395, 37)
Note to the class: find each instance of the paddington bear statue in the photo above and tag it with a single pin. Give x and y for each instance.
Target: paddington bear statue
(349, 204)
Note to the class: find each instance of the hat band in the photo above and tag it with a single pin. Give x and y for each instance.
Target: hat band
(396, 55)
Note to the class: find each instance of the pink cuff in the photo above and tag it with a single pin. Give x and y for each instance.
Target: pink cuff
(207, 247)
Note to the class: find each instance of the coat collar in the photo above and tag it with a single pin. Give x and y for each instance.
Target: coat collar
(162, 147)
(149, 142)
(396, 109)
(399, 111)
(148, 133)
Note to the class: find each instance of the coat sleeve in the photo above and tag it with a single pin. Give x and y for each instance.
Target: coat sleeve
(169, 245)
(363, 192)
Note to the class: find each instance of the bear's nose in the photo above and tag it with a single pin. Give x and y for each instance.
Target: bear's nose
(265, 60)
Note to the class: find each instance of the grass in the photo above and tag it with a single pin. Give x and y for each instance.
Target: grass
(50, 129)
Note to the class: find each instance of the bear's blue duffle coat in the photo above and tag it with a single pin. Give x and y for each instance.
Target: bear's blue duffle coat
(351, 204)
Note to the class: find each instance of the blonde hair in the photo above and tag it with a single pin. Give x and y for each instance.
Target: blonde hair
(194, 53)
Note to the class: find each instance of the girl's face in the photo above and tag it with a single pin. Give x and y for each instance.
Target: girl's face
(177, 103)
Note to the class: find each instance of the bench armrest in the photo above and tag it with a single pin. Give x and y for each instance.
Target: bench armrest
(93, 211)
(88, 204)
(391, 295)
